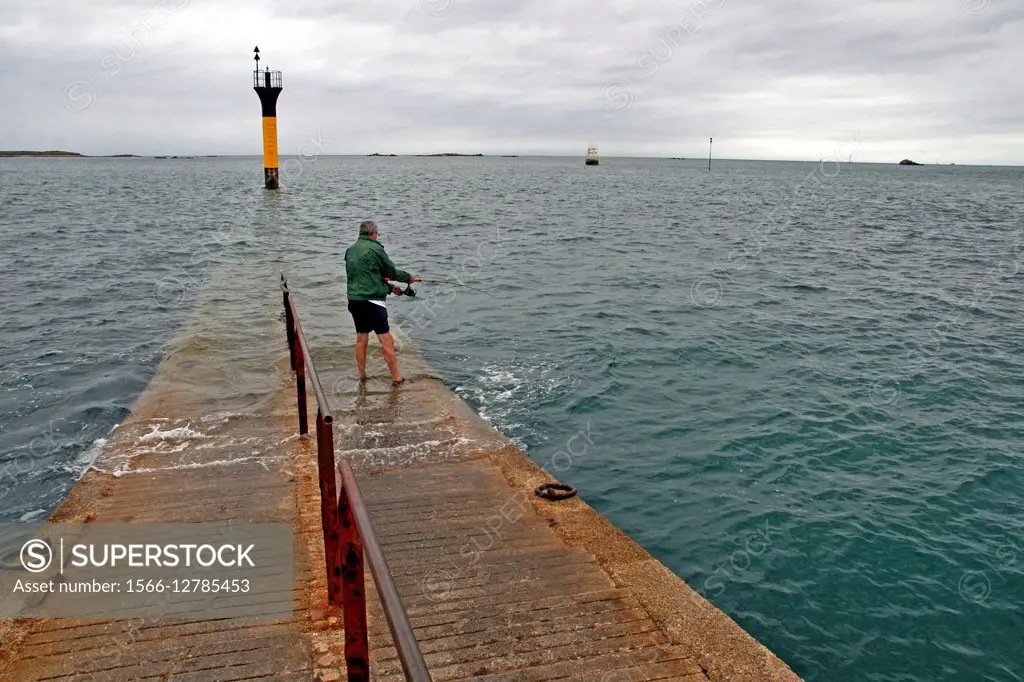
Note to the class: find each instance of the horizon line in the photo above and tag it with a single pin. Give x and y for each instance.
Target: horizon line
(55, 153)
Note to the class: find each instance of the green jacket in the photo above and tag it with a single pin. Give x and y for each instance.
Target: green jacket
(366, 266)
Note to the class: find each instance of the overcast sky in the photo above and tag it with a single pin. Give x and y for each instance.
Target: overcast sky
(878, 80)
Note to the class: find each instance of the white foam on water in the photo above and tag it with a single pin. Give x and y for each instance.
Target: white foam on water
(28, 516)
(262, 461)
(401, 455)
(348, 429)
(89, 455)
(180, 433)
(220, 418)
(499, 376)
(161, 448)
(171, 441)
(124, 459)
(503, 393)
(399, 449)
(224, 443)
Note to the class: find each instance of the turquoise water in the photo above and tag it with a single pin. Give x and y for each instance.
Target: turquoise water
(799, 386)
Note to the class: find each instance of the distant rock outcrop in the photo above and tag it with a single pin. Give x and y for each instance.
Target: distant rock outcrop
(908, 162)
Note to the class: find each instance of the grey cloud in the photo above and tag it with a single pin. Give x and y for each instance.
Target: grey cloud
(779, 78)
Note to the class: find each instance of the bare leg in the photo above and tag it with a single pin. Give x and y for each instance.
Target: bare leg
(387, 348)
(361, 342)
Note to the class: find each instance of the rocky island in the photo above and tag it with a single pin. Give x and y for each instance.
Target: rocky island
(908, 162)
(52, 152)
(58, 153)
(425, 155)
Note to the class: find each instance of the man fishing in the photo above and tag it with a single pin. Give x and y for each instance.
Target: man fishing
(367, 268)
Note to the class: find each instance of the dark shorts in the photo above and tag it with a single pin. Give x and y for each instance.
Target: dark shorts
(369, 317)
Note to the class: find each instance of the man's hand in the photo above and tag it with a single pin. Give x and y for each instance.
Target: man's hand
(415, 279)
(397, 291)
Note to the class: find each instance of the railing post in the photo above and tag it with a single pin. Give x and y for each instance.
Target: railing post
(357, 648)
(329, 507)
(300, 389)
(289, 320)
(290, 325)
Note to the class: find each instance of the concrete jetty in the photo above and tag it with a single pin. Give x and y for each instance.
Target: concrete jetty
(498, 584)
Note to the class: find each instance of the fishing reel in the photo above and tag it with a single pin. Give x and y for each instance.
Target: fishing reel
(408, 291)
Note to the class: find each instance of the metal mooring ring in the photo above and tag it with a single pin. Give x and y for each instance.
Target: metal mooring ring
(555, 491)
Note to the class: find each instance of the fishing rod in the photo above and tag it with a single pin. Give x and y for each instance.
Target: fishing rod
(411, 293)
(457, 283)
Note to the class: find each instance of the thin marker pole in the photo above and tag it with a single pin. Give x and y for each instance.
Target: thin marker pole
(710, 140)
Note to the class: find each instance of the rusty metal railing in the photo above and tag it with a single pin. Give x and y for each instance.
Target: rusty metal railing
(348, 533)
(357, 536)
(301, 364)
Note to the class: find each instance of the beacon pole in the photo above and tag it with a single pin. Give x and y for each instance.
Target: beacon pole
(268, 86)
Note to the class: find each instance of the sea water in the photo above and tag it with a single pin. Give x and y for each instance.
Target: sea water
(798, 385)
